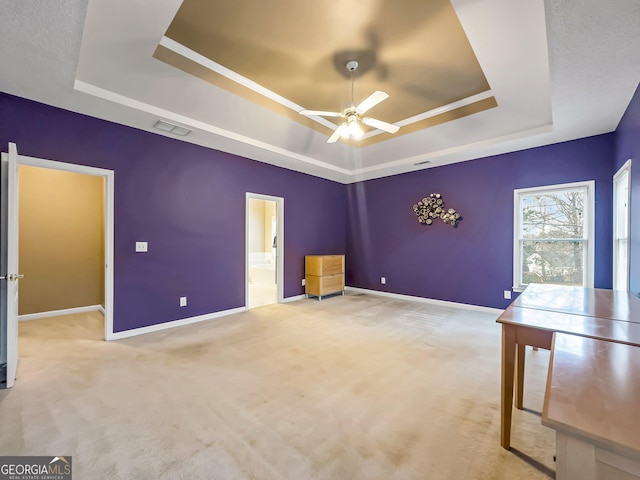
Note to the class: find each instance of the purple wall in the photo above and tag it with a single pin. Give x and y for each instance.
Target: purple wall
(628, 146)
(188, 202)
(472, 263)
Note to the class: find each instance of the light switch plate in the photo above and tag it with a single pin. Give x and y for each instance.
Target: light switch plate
(142, 246)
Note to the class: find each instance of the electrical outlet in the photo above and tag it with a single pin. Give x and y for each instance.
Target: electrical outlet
(383, 280)
(183, 301)
(304, 282)
(142, 246)
(507, 294)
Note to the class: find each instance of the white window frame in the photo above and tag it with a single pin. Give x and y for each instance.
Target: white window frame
(626, 168)
(589, 213)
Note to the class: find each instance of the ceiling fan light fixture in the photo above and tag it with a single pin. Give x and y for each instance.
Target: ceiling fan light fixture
(354, 129)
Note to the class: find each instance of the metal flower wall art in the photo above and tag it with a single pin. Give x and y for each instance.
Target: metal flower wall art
(432, 207)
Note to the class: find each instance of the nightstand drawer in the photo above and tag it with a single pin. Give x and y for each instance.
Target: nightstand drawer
(321, 265)
(319, 286)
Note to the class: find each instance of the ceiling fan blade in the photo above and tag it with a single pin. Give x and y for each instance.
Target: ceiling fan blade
(337, 134)
(387, 127)
(372, 100)
(319, 113)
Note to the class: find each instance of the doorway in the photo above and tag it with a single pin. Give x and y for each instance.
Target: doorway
(107, 207)
(621, 220)
(11, 163)
(264, 250)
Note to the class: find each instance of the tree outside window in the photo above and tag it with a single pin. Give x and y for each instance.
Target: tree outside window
(552, 236)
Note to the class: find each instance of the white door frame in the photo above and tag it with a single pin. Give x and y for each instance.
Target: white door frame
(626, 168)
(108, 176)
(279, 244)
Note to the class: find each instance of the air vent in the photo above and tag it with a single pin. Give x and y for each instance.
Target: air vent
(171, 128)
(423, 162)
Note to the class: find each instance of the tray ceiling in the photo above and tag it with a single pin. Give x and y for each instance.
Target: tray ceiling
(488, 76)
(296, 53)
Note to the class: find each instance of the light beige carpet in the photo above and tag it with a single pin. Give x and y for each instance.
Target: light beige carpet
(353, 387)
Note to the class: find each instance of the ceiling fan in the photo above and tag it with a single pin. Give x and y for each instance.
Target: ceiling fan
(351, 128)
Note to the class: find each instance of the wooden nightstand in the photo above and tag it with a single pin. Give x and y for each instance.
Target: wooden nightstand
(324, 275)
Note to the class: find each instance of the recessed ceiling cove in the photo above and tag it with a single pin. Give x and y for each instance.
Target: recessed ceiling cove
(289, 55)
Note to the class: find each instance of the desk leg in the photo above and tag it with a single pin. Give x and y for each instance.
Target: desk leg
(520, 376)
(508, 365)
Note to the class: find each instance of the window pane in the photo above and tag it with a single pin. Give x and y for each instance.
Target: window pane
(560, 262)
(553, 229)
(553, 215)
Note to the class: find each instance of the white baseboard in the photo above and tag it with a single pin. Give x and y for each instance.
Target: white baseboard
(175, 323)
(186, 321)
(295, 298)
(56, 313)
(210, 316)
(432, 301)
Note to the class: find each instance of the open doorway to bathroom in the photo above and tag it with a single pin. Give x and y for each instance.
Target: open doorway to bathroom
(264, 250)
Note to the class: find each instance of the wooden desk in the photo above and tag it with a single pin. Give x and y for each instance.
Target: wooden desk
(531, 320)
(591, 400)
(590, 302)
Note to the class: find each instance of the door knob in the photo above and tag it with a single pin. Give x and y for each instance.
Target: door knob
(15, 276)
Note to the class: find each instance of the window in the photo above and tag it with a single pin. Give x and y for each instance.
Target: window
(621, 197)
(553, 235)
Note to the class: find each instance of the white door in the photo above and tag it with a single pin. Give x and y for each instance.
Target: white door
(11, 276)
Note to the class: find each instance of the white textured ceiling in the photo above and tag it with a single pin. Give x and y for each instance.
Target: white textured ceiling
(560, 70)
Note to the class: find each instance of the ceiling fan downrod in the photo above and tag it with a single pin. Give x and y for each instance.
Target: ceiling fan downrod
(352, 66)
